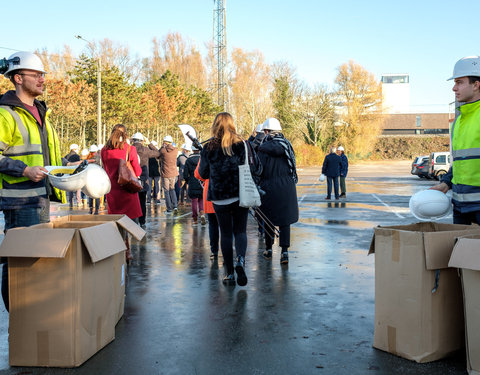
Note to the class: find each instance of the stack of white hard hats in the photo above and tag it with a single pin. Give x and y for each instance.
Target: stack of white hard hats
(93, 180)
(430, 205)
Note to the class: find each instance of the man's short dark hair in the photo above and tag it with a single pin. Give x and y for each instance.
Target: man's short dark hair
(472, 79)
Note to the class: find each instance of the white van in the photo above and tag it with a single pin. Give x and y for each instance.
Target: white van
(438, 164)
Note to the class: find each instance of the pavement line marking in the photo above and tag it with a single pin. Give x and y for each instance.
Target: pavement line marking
(304, 195)
(386, 205)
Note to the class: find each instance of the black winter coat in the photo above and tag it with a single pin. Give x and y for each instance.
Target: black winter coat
(153, 168)
(195, 189)
(332, 165)
(144, 154)
(222, 170)
(279, 203)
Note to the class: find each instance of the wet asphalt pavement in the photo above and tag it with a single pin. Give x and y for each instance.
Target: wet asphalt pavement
(312, 316)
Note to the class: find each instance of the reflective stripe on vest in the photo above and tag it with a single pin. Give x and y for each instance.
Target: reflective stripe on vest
(469, 153)
(23, 193)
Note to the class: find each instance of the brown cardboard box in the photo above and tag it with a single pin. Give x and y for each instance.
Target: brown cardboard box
(125, 225)
(418, 300)
(63, 301)
(466, 255)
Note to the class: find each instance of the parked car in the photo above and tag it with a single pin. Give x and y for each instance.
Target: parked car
(438, 164)
(416, 162)
(422, 169)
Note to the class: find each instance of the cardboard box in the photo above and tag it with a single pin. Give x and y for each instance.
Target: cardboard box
(466, 256)
(125, 225)
(418, 300)
(64, 297)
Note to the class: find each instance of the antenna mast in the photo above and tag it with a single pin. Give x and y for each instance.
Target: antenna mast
(220, 50)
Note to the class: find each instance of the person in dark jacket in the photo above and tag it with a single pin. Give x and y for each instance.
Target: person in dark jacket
(153, 178)
(219, 162)
(257, 136)
(278, 180)
(331, 168)
(195, 188)
(343, 171)
(144, 153)
(182, 185)
(73, 157)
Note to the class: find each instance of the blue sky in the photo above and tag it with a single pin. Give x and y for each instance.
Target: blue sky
(423, 38)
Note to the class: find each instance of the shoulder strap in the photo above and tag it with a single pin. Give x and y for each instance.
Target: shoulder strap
(128, 152)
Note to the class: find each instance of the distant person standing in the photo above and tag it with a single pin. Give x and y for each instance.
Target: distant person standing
(169, 173)
(94, 157)
(343, 171)
(331, 168)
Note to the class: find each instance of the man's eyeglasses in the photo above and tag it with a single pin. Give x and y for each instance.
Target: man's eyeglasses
(33, 75)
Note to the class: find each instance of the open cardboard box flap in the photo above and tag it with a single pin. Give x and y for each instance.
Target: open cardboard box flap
(43, 241)
(466, 253)
(123, 220)
(36, 243)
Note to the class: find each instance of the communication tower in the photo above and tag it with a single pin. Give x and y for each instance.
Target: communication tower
(220, 50)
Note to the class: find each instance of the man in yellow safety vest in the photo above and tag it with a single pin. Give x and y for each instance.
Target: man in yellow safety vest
(464, 175)
(28, 142)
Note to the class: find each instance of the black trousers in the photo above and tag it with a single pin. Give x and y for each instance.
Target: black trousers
(284, 240)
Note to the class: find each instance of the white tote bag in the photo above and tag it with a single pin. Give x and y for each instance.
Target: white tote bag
(249, 195)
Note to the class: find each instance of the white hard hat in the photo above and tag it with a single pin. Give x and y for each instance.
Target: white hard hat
(467, 66)
(430, 205)
(155, 143)
(168, 138)
(259, 128)
(322, 178)
(271, 124)
(74, 146)
(97, 182)
(138, 136)
(24, 60)
(63, 179)
(100, 146)
(93, 148)
(193, 148)
(340, 148)
(84, 152)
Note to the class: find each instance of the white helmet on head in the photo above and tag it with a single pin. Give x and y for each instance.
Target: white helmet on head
(271, 124)
(155, 143)
(93, 148)
(259, 128)
(74, 146)
(193, 148)
(24, 60)
(100, 146)
(340, 148)
(467, 66)
(168, 138)
(84, 152)
(138, 136)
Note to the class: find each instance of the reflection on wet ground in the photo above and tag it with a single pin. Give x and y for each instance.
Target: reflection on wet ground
(314, 315)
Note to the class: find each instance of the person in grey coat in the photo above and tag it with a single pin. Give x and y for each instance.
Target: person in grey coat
(278, 180)
(343, 171)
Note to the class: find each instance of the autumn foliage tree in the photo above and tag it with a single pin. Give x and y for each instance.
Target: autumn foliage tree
(359, 102)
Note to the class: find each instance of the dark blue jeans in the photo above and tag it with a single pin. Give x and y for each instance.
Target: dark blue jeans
(232, 220)
(466, 218)
(334, 181)
(23, 217)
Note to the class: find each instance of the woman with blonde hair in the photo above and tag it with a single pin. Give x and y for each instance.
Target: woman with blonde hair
(219, 163)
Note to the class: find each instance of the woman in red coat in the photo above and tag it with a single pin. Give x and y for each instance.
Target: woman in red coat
(120, 201)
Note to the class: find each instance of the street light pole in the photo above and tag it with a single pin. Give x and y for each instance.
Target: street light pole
(99, 96)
